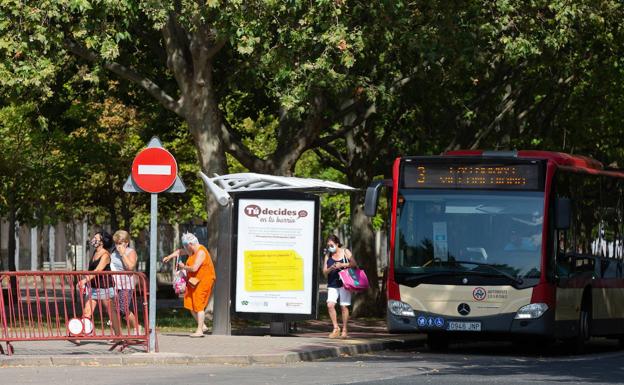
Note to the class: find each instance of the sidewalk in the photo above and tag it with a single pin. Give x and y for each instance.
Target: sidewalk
(251, 346)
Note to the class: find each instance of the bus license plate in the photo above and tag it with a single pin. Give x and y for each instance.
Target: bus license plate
(464, 326)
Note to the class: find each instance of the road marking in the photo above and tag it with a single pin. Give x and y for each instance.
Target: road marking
(154, 169)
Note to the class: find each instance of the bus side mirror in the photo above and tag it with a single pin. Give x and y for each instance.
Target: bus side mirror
(372, 198)
(562, 213)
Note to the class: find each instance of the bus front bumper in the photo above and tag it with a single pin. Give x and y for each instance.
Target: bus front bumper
(495, 324)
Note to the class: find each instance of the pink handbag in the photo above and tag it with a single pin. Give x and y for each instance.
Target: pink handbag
(353, 279)
(179, 279)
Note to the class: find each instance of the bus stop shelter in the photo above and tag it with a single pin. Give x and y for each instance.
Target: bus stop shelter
(256, 203)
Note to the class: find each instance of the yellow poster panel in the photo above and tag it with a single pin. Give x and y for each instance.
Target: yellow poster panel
(273, 270)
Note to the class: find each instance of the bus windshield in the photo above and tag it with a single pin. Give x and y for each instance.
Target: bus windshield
(495, 234)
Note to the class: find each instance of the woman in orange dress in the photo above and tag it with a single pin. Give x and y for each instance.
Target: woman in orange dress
(199, 266)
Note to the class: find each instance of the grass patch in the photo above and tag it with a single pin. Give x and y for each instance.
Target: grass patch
(175, 320)
(181, 320)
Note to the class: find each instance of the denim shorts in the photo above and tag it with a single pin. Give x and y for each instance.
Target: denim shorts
(103, 293)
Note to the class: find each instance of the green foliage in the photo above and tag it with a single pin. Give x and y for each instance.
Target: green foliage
(440, 75)
(335, 211)
(26, 161)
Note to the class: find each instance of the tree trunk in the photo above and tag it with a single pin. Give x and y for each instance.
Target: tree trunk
(12, 219)
(360, 170)
(204, 120)
(1, 260)
(114, 222)
(126, 215)
(12, 245)
(362, 241)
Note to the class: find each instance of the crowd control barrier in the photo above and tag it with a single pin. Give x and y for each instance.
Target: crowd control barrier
(74, 306)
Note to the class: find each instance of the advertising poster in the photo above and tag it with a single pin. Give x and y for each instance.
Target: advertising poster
(275, 256)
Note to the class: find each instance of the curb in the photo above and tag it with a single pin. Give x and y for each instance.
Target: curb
(141, 359)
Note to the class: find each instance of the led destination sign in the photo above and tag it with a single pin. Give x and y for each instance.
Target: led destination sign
(475, 176)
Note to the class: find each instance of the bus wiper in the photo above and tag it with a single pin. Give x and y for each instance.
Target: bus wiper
(483, 209)
(418, 277)
(517, 280)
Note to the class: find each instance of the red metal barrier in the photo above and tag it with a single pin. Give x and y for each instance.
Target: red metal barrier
(74, 306)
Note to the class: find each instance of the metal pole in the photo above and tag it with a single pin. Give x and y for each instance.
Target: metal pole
(51, 245)
(152, 273)
(16, 256)
(33, 248)
(85, 242)
(221, 324)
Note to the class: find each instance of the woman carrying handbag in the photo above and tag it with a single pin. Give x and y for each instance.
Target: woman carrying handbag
(200, 278)
(336, 259)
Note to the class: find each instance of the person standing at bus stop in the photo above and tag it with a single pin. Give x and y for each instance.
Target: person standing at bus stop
(336, 259)
(200, 278)
(124, 258)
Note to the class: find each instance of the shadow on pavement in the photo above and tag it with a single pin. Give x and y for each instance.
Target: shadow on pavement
(603, 362)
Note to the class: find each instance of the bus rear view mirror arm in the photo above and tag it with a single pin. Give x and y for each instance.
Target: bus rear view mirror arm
(372, 198)
(562, 213)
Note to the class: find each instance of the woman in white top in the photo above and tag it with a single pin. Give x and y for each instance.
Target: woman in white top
(124, 258)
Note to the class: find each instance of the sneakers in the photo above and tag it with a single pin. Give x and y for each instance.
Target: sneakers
(335, 333)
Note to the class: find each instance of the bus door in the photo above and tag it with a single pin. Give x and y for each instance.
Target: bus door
(608, 297)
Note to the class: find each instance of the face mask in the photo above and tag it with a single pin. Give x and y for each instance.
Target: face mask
(331, 249)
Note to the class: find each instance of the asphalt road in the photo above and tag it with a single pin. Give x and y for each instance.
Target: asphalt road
(469, 363)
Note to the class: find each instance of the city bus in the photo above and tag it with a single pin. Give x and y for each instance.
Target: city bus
(521, 244)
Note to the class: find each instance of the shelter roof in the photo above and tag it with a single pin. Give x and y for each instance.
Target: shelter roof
(222, 185)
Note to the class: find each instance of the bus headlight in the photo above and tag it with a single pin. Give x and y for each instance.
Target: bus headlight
(531, 311)
(400, 308)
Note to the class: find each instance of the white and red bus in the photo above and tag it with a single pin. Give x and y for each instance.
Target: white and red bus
(525, 243)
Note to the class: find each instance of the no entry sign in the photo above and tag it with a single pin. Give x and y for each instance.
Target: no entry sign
(154, 170)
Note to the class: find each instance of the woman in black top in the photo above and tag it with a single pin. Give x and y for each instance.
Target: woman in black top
(100, 288)
(336, 259)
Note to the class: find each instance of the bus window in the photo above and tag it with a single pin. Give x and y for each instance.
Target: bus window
(436, 231)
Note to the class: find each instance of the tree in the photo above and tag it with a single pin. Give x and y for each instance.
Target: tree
(300, 53)
(104, 130)
(24, 155)
(264, 82)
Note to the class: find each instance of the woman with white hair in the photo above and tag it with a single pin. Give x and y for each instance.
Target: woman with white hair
(200, 275)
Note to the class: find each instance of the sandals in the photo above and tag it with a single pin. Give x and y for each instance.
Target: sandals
(344, 335)
(335, 333)
(196, 335)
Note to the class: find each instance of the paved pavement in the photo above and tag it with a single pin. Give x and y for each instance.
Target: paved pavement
(253, 345)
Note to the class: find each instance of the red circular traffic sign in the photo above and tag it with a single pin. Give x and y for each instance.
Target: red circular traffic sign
(154, 170)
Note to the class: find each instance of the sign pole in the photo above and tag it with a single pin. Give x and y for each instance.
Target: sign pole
(152, 273)
(154, 170)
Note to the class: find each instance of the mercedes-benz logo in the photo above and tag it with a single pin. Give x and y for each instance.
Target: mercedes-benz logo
(463, 309)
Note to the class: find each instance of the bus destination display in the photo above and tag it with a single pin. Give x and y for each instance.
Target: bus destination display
(475, 176)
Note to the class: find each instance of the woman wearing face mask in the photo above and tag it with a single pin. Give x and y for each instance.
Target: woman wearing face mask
(336, 259)
(101, 288)
(124, 258)
(199, 267)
